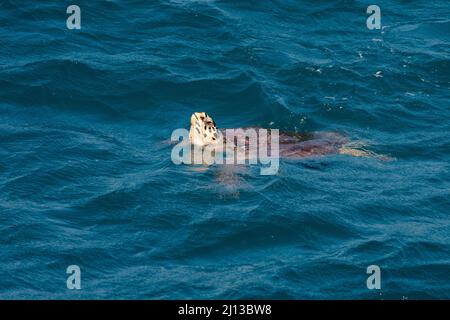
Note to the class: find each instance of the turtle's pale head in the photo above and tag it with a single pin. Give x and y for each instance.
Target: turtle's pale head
(203, 129)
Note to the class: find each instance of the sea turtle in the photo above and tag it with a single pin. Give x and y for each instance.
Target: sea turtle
(204, 132)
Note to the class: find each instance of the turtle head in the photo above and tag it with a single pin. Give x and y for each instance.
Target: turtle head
(203, 129)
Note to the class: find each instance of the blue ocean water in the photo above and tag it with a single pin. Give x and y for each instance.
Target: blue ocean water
(86, 178)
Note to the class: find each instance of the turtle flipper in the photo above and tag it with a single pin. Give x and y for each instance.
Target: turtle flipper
(359, 149)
